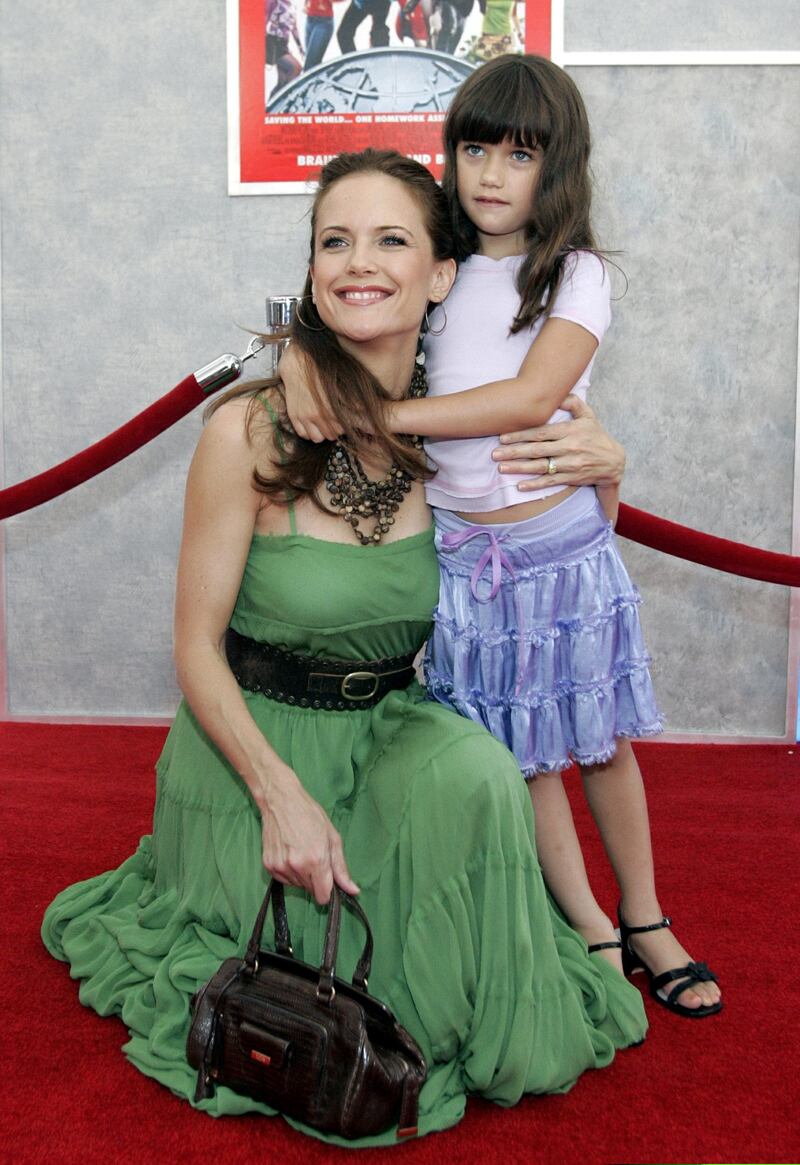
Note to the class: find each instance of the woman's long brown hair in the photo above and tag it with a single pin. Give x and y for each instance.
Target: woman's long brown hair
(350, 389)
(533, 103)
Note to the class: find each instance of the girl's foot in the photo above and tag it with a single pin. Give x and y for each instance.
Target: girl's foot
(660, 951)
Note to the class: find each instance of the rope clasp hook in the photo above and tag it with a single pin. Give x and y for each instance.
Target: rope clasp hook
(226, 368)
(253, 348)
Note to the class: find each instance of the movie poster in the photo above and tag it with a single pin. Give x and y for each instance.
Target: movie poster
(310, 78)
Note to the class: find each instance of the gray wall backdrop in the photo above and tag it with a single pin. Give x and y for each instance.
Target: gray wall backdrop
(125, 265)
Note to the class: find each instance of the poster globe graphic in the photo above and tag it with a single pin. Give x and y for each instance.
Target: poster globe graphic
(375, 81)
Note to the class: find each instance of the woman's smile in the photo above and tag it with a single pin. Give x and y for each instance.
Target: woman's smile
(363, 296)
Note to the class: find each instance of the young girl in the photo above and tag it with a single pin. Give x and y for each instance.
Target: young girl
(537, 633)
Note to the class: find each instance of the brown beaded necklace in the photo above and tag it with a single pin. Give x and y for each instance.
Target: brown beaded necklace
(355, 496)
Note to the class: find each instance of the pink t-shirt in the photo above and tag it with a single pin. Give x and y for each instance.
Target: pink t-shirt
(476, 348)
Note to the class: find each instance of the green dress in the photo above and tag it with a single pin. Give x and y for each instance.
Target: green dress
(438, 832)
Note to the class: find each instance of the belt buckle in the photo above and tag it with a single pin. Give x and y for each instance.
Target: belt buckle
(359, 675)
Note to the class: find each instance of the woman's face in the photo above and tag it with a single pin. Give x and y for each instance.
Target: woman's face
(374, 269)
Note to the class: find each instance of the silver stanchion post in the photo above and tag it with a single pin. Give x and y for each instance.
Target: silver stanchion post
(280, 313)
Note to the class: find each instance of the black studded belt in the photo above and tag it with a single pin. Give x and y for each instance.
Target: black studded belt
(337, 685)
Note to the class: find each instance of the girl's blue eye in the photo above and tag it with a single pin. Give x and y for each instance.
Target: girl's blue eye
(472, 150)
(522, 155)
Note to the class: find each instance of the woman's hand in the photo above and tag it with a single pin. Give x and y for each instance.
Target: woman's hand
(300, 845)
(306, 403)
(583, 452)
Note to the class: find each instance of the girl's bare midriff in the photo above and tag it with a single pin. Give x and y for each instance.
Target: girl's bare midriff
(518, 513)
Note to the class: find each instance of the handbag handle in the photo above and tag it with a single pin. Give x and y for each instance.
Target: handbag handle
(283, 941)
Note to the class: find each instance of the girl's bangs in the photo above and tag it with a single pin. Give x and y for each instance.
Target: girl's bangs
(514, 113)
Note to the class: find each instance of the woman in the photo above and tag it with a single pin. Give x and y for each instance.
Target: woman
(325, 778)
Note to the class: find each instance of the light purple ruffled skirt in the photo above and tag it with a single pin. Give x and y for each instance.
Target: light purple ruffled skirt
(550, 655)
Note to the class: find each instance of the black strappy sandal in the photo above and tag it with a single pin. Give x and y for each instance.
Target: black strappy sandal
(615, 946)
(686, 976)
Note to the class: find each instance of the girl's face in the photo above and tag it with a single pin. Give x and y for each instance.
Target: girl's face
(374, 269)
(496, 187)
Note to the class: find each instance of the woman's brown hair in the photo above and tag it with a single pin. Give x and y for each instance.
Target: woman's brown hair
(350, 389)
(534, 104)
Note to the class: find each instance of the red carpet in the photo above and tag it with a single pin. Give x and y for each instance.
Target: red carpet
(75, 800)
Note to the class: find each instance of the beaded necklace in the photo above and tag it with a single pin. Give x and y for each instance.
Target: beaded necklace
(356, 496)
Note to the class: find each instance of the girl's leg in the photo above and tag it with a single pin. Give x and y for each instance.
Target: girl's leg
(346, 32)
(562, 863)
(616, 797)
(288, 69)
(319, 30)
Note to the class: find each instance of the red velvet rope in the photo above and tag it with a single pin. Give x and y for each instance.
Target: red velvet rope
(707, 549)
(105, 453)
(636, 525)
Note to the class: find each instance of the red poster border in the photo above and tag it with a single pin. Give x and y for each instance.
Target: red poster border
(283, 154)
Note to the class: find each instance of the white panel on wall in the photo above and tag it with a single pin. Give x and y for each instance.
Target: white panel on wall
(675, 25)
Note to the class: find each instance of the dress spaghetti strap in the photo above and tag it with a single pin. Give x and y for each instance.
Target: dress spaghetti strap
(282, 447)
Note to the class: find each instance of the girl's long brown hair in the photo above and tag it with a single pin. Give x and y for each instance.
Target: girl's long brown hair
(533, 103)
(350, 389)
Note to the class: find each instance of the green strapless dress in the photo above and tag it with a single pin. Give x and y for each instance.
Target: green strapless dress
(438, 831)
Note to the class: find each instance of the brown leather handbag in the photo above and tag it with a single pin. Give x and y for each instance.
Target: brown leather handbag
(302, 1040)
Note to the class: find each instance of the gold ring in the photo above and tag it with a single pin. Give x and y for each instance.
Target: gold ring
(551, 465)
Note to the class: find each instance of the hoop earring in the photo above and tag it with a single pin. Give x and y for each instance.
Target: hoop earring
(429, 330)
(302, 321)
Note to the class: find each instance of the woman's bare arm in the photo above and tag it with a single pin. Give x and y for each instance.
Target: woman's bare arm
(300, 845)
